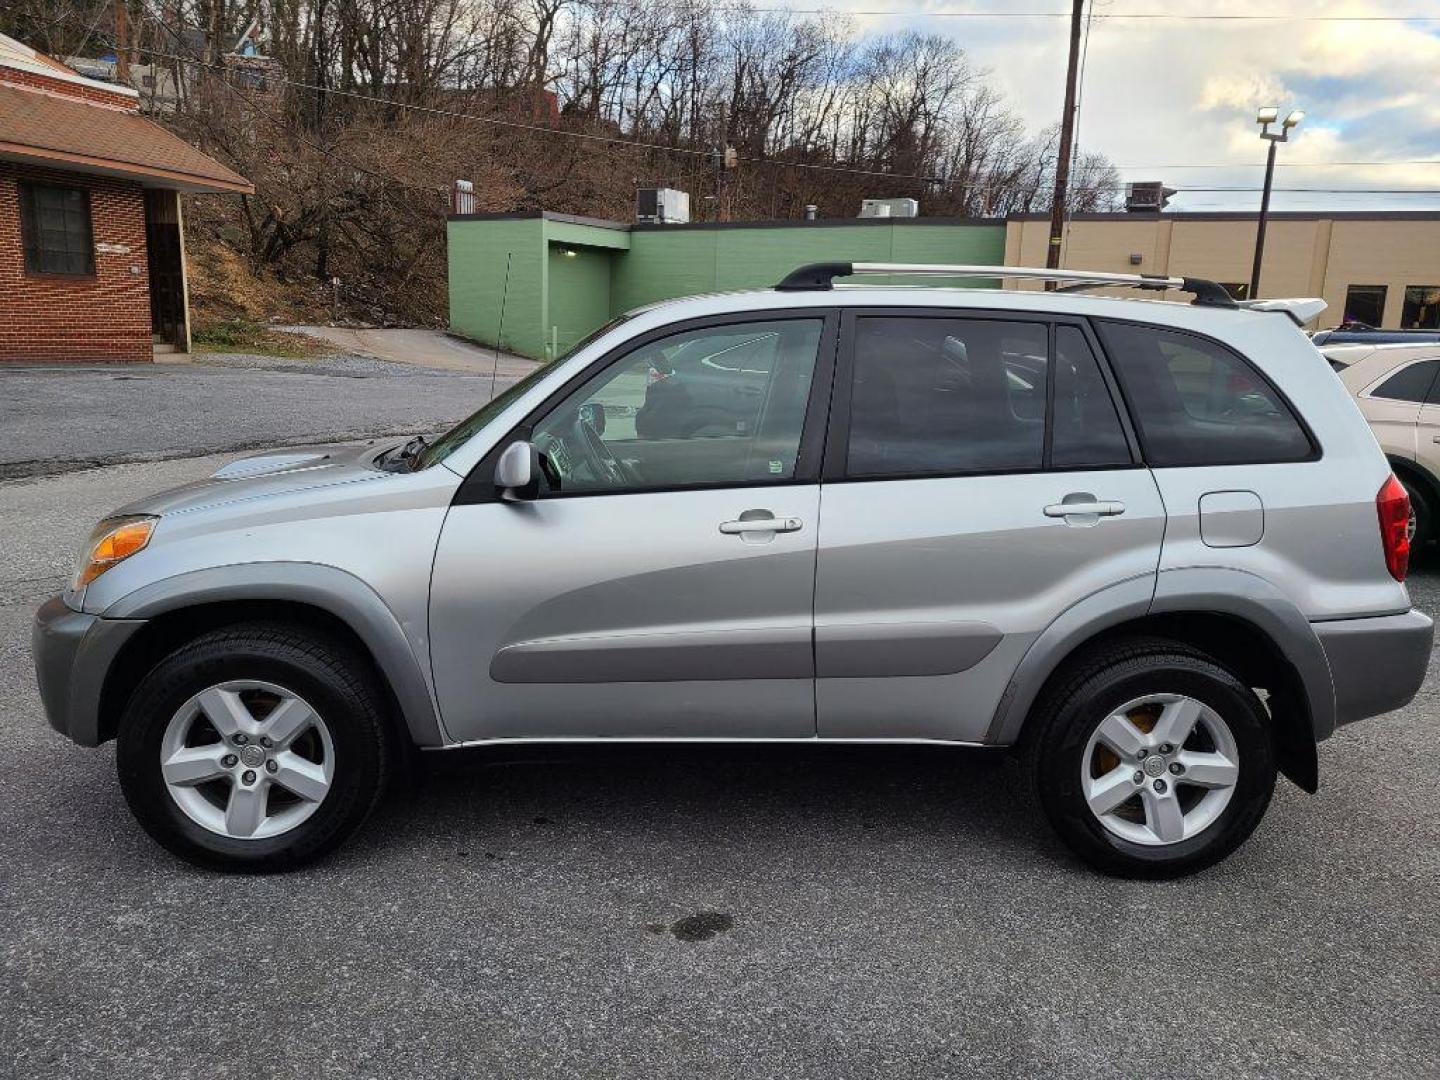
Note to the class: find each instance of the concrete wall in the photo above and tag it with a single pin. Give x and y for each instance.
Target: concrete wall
(478, 251)
(1304, 255)
(579, 293)
(669, 262)
(554, 298)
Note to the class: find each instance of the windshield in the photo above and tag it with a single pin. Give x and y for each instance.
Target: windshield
(462, 432)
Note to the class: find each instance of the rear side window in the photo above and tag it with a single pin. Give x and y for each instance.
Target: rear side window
(942, 397)
(1410, 383)
(1195, 402)
(1087, 431)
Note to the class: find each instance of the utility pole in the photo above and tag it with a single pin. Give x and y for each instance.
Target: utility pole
(1265, 117)
(122, 43)
(1254, 293)
(1067, 138)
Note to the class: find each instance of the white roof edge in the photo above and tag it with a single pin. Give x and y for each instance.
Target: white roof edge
(19, 56)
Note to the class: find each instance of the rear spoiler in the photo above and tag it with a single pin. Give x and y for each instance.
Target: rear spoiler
(1300, 309)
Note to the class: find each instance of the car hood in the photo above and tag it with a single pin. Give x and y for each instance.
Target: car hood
(276, 472)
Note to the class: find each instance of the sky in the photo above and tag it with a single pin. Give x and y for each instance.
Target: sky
(1161, 93)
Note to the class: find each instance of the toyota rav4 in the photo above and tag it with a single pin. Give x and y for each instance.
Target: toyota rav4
(1152, 546)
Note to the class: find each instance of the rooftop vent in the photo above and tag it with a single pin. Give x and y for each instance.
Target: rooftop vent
(1147, 197)
(889, 208)
(662, 206)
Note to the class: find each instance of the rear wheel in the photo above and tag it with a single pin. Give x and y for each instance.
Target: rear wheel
(256, 748)
(1151, 760)
(1420, 514)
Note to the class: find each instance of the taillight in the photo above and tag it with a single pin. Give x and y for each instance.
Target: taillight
(1393, 505)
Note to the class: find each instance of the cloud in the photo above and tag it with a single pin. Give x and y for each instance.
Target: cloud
(1162, 93)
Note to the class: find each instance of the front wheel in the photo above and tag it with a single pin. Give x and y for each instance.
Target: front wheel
(1152, 760)
(254, 748)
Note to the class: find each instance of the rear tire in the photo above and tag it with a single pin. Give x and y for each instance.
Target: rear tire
(1170, 804)
(1422, 514)
(254, 748)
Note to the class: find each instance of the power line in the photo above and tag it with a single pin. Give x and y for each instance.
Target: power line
(1137, 16)
(773, 162)
(1283, 165)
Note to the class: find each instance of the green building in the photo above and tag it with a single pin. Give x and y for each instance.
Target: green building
(537, 283)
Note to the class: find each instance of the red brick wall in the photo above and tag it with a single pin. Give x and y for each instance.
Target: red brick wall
(49, 318)
(64, 88)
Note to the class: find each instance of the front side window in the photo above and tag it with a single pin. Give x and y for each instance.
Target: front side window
(1197, 403)
(712, 407)
(1422, 308)
(55, 223)
(1365, 304)
(1410, 383)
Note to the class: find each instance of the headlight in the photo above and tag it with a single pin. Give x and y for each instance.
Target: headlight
(113, 541)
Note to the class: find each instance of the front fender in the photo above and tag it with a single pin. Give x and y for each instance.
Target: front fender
(328, 588)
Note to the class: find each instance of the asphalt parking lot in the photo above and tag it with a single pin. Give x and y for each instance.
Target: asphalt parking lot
(741, 913)
(62, 417)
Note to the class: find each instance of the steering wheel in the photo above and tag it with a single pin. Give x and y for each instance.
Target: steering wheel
(604, 466)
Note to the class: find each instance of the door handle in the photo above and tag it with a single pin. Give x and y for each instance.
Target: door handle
(759, 524)
(1096, 507)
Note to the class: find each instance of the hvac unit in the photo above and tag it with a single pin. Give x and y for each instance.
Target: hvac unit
(1147, 197)
(662, 206)
(889, 208)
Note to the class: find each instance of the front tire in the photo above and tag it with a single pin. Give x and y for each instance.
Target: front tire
(1151, 760)
(254, 748)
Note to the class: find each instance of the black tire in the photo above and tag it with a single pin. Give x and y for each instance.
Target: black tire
(1086, 693)
(326, 673)
(1424, 517)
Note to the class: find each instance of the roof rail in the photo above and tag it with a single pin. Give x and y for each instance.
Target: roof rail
(822, 276)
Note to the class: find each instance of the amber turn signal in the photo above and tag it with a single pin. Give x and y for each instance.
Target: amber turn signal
(113, 541)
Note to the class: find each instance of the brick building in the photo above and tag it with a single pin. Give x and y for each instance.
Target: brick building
(92, 255)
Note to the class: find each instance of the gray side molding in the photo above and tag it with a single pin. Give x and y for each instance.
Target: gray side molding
(325, 587)
(1099, 611)
(1247, 596)
(1236, 593)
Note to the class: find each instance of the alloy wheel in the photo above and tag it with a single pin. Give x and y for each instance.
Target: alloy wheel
(1160, 769)
(247, 759)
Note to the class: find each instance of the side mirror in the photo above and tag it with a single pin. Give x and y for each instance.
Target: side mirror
(517, 473)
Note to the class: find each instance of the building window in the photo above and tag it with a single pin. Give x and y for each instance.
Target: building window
(55, 225)
(1238, 290)
(1422, 308)
(1365, 304)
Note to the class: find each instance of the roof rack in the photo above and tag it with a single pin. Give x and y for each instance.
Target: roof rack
(822, 276)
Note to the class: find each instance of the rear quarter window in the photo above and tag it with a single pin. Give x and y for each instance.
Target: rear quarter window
(1196, 402)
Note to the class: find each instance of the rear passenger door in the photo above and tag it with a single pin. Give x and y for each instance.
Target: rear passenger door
(979, 480)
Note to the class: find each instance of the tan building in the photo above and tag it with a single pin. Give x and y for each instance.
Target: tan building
(1381, 268)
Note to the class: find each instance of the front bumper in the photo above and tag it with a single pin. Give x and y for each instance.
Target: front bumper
(1376, 664)
(73, 654)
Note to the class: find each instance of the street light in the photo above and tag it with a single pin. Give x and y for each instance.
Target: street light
(1265, 117)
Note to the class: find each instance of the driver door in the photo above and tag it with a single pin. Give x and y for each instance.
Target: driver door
(660, 582)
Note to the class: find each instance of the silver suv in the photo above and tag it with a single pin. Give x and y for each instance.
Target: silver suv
(1152, 546)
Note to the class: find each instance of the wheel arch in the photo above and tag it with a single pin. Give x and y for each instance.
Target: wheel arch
(330, 600)
(1240, 619)
(1417, 475)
